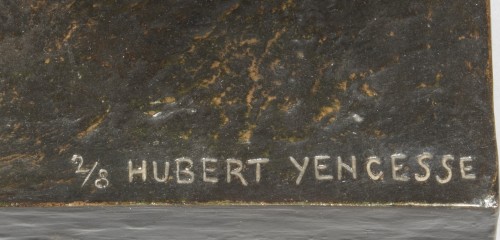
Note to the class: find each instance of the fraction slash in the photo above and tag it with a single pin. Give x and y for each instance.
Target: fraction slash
(90, 173)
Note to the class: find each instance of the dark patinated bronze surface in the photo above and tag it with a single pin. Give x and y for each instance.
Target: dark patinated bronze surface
(338, 102)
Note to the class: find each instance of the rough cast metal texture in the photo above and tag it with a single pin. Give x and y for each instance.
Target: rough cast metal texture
(353, 102)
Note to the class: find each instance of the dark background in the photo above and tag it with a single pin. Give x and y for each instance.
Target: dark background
(243, 79)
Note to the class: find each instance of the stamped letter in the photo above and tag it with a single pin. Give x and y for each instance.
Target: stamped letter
(396, 167)
(444, 162)
(372, 160)
(257, 163)
(186, 171)
(155, 172)
(210, 170)
(465, 169)
(318, 167)
(302, 169)
(425, 166)
(236, 172)
(132, 171)
(341, 165)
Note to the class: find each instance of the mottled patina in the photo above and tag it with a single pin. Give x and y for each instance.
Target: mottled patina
(337, 82)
